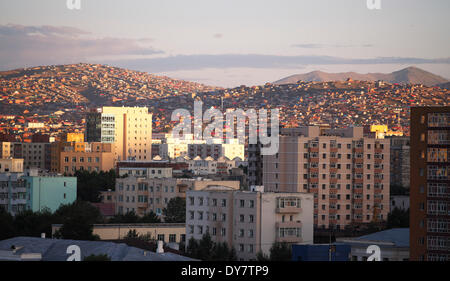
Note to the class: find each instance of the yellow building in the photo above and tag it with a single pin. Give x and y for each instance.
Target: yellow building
(167, 232)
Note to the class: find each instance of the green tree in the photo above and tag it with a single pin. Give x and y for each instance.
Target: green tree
(128, 217)
(100, 257)
(175, 211)
(29, 223)
(89, 184)
(6, 224)
(132, 234)
(192, 248)
(260, 256)
(77, 219)
(205, 245)
(280, 252)
(398, 218)
(150, 217)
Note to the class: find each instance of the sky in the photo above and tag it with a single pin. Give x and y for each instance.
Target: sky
(228, 42)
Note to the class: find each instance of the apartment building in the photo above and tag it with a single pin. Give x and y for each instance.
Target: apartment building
(400, 167)
(28, 191)
(145, 194)
(231, 149)
(249, 221)
(11, 165)
(430, 184)
(128, 128)
(92, 157)
(34, 155)
(150, 169)
(347, 172)
(167, 232)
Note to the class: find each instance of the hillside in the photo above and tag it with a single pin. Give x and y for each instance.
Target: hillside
(410, 75)
(86, 85)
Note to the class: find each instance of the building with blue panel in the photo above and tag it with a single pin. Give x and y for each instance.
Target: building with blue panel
(20, 192)
(321, 252)
(50, 192)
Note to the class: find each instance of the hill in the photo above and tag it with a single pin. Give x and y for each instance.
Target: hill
(410, 75)
(60, 86)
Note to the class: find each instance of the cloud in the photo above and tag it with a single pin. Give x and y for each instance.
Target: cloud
(218, 35)
(42, 45)
(195, 62)
(322, 46)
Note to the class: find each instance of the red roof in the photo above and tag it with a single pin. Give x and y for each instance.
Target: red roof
(107, 209)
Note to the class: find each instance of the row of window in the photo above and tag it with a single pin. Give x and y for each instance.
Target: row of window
(338, 186)
(200, 230)
(144, 187)
(347, 217)
(338, 145)
(81, 159)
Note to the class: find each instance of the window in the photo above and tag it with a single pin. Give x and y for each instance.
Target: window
(172, 238)
(160, 237)
(242, 203)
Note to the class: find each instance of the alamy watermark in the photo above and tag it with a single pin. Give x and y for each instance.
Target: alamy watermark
(374, 4)
(73, 4)
(257, 126)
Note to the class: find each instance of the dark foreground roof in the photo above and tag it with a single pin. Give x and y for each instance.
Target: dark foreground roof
(55, 249)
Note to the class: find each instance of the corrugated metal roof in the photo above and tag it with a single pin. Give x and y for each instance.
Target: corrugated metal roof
(55, 249)
(398, 236)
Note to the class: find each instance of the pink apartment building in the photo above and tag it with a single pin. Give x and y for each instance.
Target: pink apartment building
(347, 172)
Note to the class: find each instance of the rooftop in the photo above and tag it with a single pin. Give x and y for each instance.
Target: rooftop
(55, 250)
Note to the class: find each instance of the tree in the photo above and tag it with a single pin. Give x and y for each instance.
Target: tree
(280, 252)
(260, 256)
(77, 219)
(398, 218)
(206, 249)
(89, 184)
(150, 218)
(6, 224)
(29, 223)
(192, 248)
(100, 257)
(132, 234)
(175, 211)
(205, 245)
(128, 217)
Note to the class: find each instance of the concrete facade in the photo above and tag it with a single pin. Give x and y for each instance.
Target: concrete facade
(347, 172)
(249, 221)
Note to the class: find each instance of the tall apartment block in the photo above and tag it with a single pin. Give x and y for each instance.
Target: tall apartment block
(128, 128)
(255, 165)
(347, 172)
(400, 150)
(430, 191)
(249, 221)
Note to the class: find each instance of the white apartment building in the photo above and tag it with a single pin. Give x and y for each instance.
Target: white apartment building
(145, 194)
(249, 221)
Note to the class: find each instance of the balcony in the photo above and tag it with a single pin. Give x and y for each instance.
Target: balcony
(288, 224)
(289, 239)
(288, 210)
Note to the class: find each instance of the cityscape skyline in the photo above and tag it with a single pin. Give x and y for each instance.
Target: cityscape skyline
(251, 45)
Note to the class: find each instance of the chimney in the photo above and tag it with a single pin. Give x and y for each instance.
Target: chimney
(160, 249)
